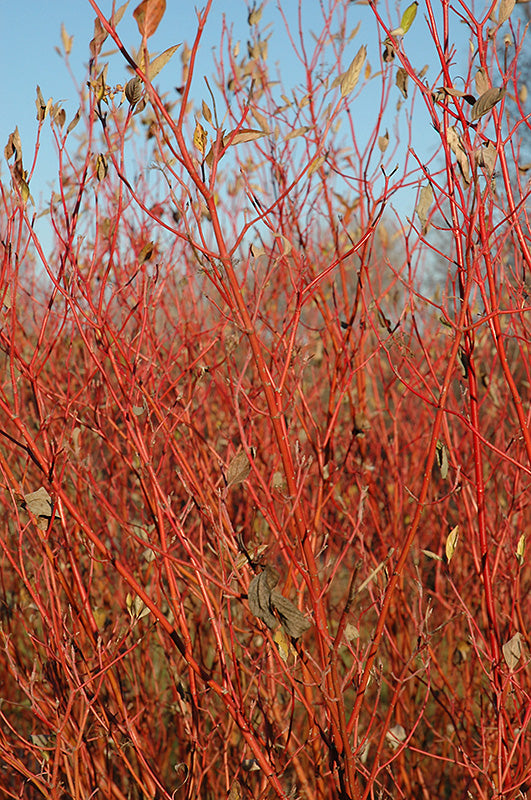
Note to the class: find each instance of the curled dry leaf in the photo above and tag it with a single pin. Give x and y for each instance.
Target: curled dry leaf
(402, 81)
(395, 736)
(486, 102)
(456, 146)
(351, 76)
(383, 141)
(423, 206)
(485, 156)
(235, 791)
(133, 90)
(482, 81)
(40, 504)
(520, 550)
(442, 459)
(264, 599)
(512, 651)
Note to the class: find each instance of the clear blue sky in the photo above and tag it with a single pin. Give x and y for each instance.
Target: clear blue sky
(30, 32)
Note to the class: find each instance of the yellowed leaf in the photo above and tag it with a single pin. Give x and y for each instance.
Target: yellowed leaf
(520, 550)
(200, 138)
(160, 61)
(148, 16)
(451, 543)
(66, 40)
(351, 76)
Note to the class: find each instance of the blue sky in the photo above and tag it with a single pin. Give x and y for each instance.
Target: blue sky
(30, 32)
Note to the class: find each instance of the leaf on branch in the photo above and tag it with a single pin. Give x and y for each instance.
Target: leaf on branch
(297, 132)
(255, 15)
(102, 167)
(402, 80)
(486, 102)
(148, 16)
(442, 459)
(351, 76)
(482, 81)
(451, 543)
(73, 122)
(243, 135)
(100, 34)
(423, 206)
(454, 140)
(263, 599)
(485, 156)
(238, 469)
(235, 791)
(134, 90)
(395, 736)
(520, 550)
(66, 40)
(40, 504)
(388, 54)
(117, 16)
(200, 138)
(283, 644)
(160, 61)
(512, 651)
(408, 17)
(317, 164)
(207, 113)
(506, 9)
(383, 142)
(146, 253)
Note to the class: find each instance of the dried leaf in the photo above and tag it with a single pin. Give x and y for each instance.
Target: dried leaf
(117, 16)
(506, 9)
(238, 469)
(66, 40)
(72, 124)
(146, 253)
(401, 81)
(451, 543)
(316, 165)
(160, 61)
(512, 651)
(207, 113)
(293, 621)
(255, 15)
(461, 653)
(243, 135)
(102, 167)
(520, 550)
(522, 93)
(383, 141)
(395, 736)
(100, 34)
(482, 81)
(259, 596)
(485, 156)
(388, 54)
(351, 76)
(200, 138)
(235, 791)
(455, 142)
(442, 459)
(282, 642)
(134, 90)
(423, 206)
(39, 503)
(148, 16)
(297, 132)
(486, 102)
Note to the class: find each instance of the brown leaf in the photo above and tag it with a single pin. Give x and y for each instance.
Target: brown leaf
(73, 122)
(351, 76)
(148, 16)
(451, 543)
(200, 138)
(100, 34)
(512, 651)
(66, 40)
(486, 102)
(456, 145)
(485, 156)
(482, 81)
(160, 61)
(442, 459)
(243, 135)
(235, 791)
(423, 205)
(146, 253)
(401, 81)
(297, 132)
(238, 469)
(383, 141)
(40, 504)
(133, 90)
(506, 9)
(292, 620)
(259, 596)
